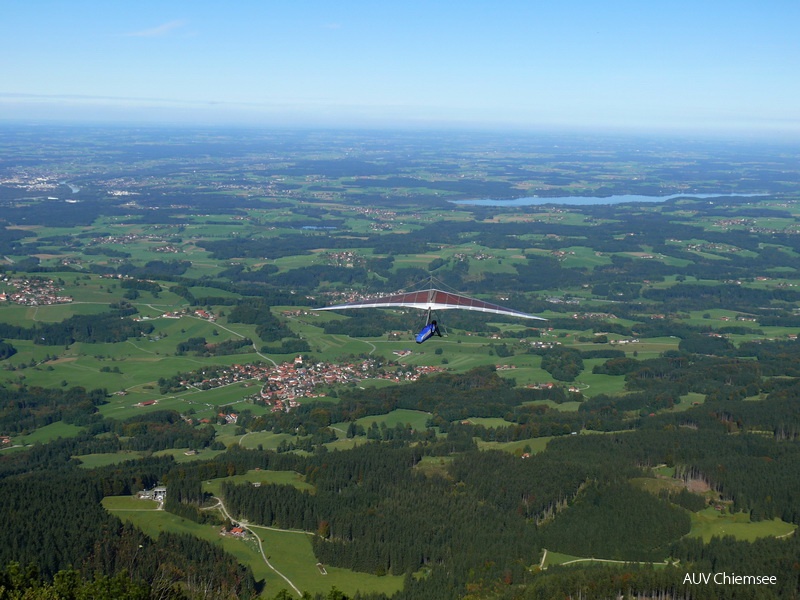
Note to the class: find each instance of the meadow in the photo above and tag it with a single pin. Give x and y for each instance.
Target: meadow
(711, 522)
(289, 552)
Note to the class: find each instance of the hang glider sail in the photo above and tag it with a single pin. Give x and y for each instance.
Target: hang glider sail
(433, 300)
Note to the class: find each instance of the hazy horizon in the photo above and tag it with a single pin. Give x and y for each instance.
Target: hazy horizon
(707, 68)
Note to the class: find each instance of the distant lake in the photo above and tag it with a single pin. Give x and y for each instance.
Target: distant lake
(590, 200)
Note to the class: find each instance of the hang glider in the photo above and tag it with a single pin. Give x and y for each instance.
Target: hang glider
(433, 300)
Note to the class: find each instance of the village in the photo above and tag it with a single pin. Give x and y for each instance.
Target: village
(32, 291)
(285, 383)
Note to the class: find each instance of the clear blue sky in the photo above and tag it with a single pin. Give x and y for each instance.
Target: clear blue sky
(688, 65)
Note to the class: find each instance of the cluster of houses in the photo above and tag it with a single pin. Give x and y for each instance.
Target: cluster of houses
(594, 315)
(381, 219)
(128, 238)
(31, 181)
(562, 300)
(168, 249)
(285, 383)
(562, 254)
(289, 381)
(461, 256)
(345, 258)
(204, 314)
(115, 276)
(738, 222)
(544, 345)
(299, 312)
(377, 213)
(375, 226)
(708, 247)
(347, 296)
(177, 314)
(549, 385)
(33, 292)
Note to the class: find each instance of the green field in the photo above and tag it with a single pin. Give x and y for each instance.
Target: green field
(93, 461)
(266, 439)
(709, 523)
(536, 445)
(401, 416)
(49, 433)
(129, 503)
(288, 551)
(291, 554)
(214, 486)
(434, 465)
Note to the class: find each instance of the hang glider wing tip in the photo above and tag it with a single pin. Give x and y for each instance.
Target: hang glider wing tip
(533, 317)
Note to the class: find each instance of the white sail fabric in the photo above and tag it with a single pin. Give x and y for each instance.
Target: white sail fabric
(434, 300)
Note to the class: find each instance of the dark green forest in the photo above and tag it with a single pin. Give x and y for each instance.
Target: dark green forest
(376, 509)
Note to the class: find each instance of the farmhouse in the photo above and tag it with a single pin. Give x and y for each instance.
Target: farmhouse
(158, 493)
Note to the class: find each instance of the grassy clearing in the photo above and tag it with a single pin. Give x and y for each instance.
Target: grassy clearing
(119, 503)
(592, 384)
(709, 523)
(290, 552)
(180, 454)
(688, 401)
(655, 486)
(584, 257)
(155, 521)
(558, 558)
(292, 555)
(343, 444)
(665, 471)
(266, 439)
(93, 461)
(563, 407)
(536, 445)
(417, 419)
(49, 433)
(653, 347)
(214, 486)
(434, 465)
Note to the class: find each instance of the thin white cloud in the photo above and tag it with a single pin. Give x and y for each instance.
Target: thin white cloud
(158, 31)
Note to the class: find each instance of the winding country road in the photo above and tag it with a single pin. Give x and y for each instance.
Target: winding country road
(244, 526)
